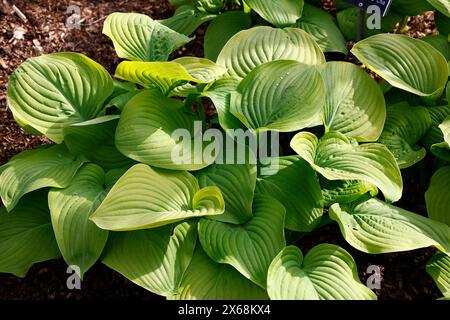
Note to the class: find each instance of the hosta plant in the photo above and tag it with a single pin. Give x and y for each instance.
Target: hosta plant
(108, 189)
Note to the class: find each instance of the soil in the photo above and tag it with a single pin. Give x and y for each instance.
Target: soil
(44, 30)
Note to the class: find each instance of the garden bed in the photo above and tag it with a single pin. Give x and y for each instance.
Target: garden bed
(44, 31)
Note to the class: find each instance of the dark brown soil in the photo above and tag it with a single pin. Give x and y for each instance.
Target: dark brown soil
(403, 274)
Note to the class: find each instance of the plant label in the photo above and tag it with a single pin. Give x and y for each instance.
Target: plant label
(365, 4)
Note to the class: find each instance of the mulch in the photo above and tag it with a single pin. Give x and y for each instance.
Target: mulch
(44, 31)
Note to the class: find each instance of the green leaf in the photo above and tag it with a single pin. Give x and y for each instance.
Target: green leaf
(281, 13)
(411, 7)
(96, 142)
(187, 19)
(138, 37)
(145, 197)
(337, 157)
(442, 23)
(442, 6)
(437, 196)
(52, 91)
(406, 63)
(201, 68)
(28, 171)
(296, 186)
(146, 132)
(434, 133)
(373, 226)
(26, 235)
(281, 95)
(249, 247)
(354, 102)
(250, 48)
(220, 93)
(237, 183)
(345, 191)
(221, 29)
(81, 242)
(163, 75)
(438, 267)
(322, 28)
(404, 128)
(442, 150)
(206, 280)
(439, 42)
(327, 272)
(154, 259)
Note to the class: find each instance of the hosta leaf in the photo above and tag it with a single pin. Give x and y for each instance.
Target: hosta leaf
(406, 63)
(437, 196)
(187, 19)
(434, 133)
(81, 242)
(26, 235)
(345, 191)
(154, 259)
(280, 95)
(441, 43)
(296, 186)
(36, 169)
(147, 198)
(442, 23)
(404, 128)
(163, 75)
(354, 102)
(220, 94)
(202, 69)
(280, 13)
(138, 37)
(411, 7)
(146, 129)
(249, 247)
(442, 6)
(442, 150)
(250, 48)
(373, 226)
(336, 157)
(322, 28)
(221, 29)
(206, 280)
(438, 267)
(58, 89)
(96, 142)
(237, 183)
(327, 272)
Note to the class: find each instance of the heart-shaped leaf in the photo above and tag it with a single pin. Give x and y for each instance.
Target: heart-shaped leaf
(81, 242)
(406, 63)
(140, 38)
(296, 186)
(202, 69)
(404, 128)
(154, 259)
(354, 102)
(237, 183)
(280, 13)
(26, 235)
(31, 170)
(345, 191)
(96, 142)
(323, 29)
(327, 272)
(250, 48)
(437, 196)
(373, 226)
(206, 280)
(249, 247)
(337, 157)
(145, 197)
(280, 95)
(147, 133)
(55, 90)
(438, 267)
